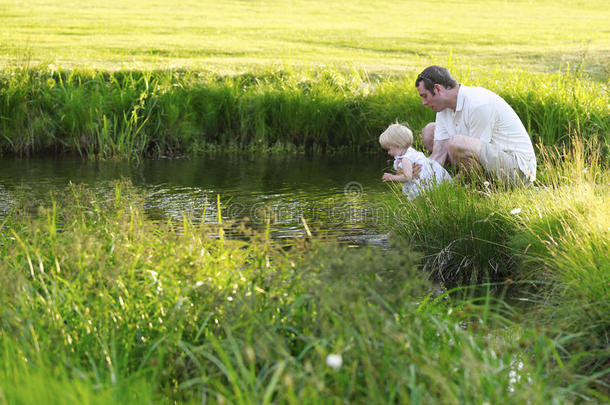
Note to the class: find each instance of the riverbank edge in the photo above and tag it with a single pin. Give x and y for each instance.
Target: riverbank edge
(140, 114)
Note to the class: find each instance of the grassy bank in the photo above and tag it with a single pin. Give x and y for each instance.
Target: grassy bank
(102, 305)
(234, 36)
(166, 113)
(555, 235)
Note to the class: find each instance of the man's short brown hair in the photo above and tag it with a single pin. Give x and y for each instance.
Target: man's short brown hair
(435, 75)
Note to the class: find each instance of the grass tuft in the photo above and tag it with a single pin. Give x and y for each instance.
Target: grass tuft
(553, 236)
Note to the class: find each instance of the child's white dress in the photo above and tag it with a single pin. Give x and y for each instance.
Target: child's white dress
(432, 173)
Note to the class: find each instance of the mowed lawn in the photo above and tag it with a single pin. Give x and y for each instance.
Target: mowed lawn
(378, 36)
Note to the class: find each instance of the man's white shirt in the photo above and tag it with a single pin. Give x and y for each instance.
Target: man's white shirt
(483, 114)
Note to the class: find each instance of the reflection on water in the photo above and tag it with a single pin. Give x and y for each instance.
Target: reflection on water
(337, 196)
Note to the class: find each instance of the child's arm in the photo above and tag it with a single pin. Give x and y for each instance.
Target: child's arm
(407, 169)
(404, 175)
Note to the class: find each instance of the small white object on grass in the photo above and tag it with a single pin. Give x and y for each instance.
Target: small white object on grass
(334, 361)
(515, 211)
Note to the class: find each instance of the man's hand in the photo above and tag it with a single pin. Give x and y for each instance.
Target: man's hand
(440, 153)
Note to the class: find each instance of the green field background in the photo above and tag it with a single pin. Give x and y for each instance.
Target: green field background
(378, 36)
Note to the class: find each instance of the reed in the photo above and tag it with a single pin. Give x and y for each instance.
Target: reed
(563, 238)
(129, 114)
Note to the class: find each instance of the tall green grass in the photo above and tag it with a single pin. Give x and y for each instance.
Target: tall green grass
(553, 237)
(102, 305)
(166, 113)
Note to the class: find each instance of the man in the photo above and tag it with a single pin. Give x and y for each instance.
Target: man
(474, 128)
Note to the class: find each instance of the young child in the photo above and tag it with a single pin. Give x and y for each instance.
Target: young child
(397, 140)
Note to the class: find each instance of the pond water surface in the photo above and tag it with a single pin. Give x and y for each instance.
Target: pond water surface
(338, 196)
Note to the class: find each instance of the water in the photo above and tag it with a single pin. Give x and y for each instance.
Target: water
(338, 197)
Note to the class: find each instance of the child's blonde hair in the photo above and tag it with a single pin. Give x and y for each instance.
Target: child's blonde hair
(396, 135)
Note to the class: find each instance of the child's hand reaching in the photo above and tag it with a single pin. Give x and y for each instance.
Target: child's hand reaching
(390, 177)
(402, 176)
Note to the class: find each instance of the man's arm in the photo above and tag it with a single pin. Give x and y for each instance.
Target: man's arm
(440, 151)
(441, 135)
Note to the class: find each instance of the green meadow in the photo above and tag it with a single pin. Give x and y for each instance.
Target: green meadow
(379, 36)
(487, 293)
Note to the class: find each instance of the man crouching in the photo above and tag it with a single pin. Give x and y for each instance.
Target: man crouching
(474, 128)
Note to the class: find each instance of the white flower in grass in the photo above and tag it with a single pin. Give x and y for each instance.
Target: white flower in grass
(486, 183)
(515, 211)
(334, 361)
